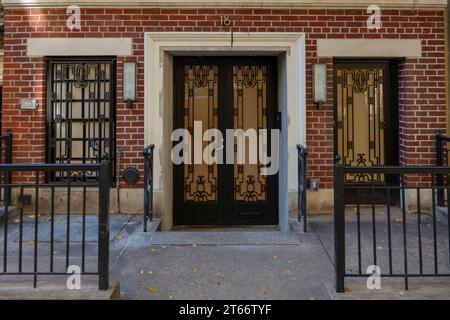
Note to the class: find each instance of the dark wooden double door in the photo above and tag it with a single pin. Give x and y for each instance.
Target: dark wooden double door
(224, 93)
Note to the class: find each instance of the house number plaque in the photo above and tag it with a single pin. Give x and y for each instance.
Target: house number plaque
(225, 21)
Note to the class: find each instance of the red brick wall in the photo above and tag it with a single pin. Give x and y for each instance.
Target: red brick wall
(421, 81)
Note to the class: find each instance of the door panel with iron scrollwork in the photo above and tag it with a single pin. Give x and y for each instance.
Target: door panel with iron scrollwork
(200, 104)
(235, 93)
(366, 119)
(360, 119)
(249, 111)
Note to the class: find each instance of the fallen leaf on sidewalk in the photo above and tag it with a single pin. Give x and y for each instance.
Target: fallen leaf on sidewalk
(153, 250)
(32, 216)
(118, 237)
(219, 278)
(31, 242)
(263, 291)
(194, 270)
(141, 271)
(151, 290)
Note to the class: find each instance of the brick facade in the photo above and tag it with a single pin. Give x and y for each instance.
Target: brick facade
(421, 81)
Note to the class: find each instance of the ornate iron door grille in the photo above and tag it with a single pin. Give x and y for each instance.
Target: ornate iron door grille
(201, 104)
(237, 93)
(249, 111)
(360, 119)
(81, 114)
(366, 122)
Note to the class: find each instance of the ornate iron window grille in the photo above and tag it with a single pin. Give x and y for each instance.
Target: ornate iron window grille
(81, 115)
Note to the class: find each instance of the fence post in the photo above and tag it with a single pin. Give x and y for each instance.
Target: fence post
(339, 227)
(439, 163)
(146, 199)
(148, 185)
(103, 226)
(302, 154)
(299, 187)
(8, 160)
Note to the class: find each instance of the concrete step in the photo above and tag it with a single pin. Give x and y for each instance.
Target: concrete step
(295, 226)
(153, 226)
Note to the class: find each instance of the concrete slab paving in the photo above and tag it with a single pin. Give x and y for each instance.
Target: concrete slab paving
(223, 272)
(52, 290)
(227, 264)
(218, 264)
(419, 290)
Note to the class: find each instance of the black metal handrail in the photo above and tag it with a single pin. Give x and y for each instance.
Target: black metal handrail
(400, 244)
(32, 236)
(442, 152)
(6, 158)
(148, 185)
(302, 185)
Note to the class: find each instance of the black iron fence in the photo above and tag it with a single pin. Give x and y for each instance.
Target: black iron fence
(406, 241)
(56, 224)
(442, 151)
(148, 185)
(302, 185)
(5, 158)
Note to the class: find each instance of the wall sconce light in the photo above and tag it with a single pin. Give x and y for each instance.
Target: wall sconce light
(129, 82)
(319, 79)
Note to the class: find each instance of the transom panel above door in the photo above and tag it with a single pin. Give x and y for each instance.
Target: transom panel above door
(236, 93)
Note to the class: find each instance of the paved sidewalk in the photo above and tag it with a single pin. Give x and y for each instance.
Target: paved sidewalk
(211, 264)
(223, 265)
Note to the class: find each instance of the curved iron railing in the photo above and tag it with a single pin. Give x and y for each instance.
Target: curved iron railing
(6, 158)
(148, 185)
(442, 152)
(302, 185)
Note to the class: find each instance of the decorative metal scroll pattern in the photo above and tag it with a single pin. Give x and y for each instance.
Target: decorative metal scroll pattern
(200, 104)
(361, 120)
(81, 118)
(250, 112)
